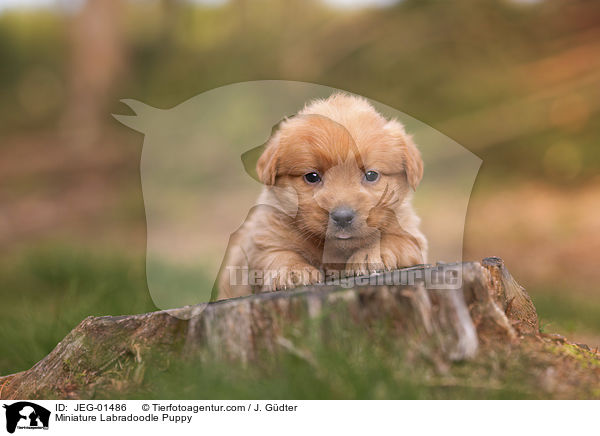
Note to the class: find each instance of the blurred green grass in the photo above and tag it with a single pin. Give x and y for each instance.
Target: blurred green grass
(561, 310)
(357, 366)
(47, 292)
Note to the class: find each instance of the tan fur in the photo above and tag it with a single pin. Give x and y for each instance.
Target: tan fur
(290, 234)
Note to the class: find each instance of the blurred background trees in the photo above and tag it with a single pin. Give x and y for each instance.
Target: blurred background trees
(96, 61)
(516, 82)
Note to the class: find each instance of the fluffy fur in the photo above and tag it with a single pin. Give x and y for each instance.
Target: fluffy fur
(290, 239)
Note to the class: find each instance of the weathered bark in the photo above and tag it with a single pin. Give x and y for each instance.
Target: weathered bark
(488, 306)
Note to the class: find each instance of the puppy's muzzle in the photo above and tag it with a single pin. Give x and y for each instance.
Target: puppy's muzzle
(343, 216)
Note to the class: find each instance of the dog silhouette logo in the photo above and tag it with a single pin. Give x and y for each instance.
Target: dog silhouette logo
(26, 415)
(197, 196)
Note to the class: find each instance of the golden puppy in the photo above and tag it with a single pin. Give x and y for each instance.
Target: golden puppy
(338, 185)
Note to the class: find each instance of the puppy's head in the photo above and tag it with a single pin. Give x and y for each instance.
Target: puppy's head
(345, 163)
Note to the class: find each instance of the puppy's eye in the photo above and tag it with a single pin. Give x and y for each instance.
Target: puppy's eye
(371, 176)
(312, 178)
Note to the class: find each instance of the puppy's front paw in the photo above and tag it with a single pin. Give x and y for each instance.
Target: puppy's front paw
(364, 262)
(293, 276)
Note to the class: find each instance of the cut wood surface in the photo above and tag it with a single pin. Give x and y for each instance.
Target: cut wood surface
(489, 306)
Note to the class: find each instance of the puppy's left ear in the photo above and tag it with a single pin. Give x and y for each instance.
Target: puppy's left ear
(266, 167)
(411, 157)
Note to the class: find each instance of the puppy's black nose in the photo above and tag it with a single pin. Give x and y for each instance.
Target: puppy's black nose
(342, 216)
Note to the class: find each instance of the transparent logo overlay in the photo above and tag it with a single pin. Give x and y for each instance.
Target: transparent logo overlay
(260, 186)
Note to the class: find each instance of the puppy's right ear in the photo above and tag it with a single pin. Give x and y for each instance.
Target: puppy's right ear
(266, 167)
(257, 162)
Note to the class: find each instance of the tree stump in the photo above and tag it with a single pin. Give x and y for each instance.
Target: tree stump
(487, 306)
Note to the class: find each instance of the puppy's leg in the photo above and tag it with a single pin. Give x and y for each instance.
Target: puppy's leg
(392, 251)
(401, 250)
(233, 278)
(286, 270)
(365, 260)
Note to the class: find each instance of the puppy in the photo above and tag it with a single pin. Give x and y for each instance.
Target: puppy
(338, 182)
